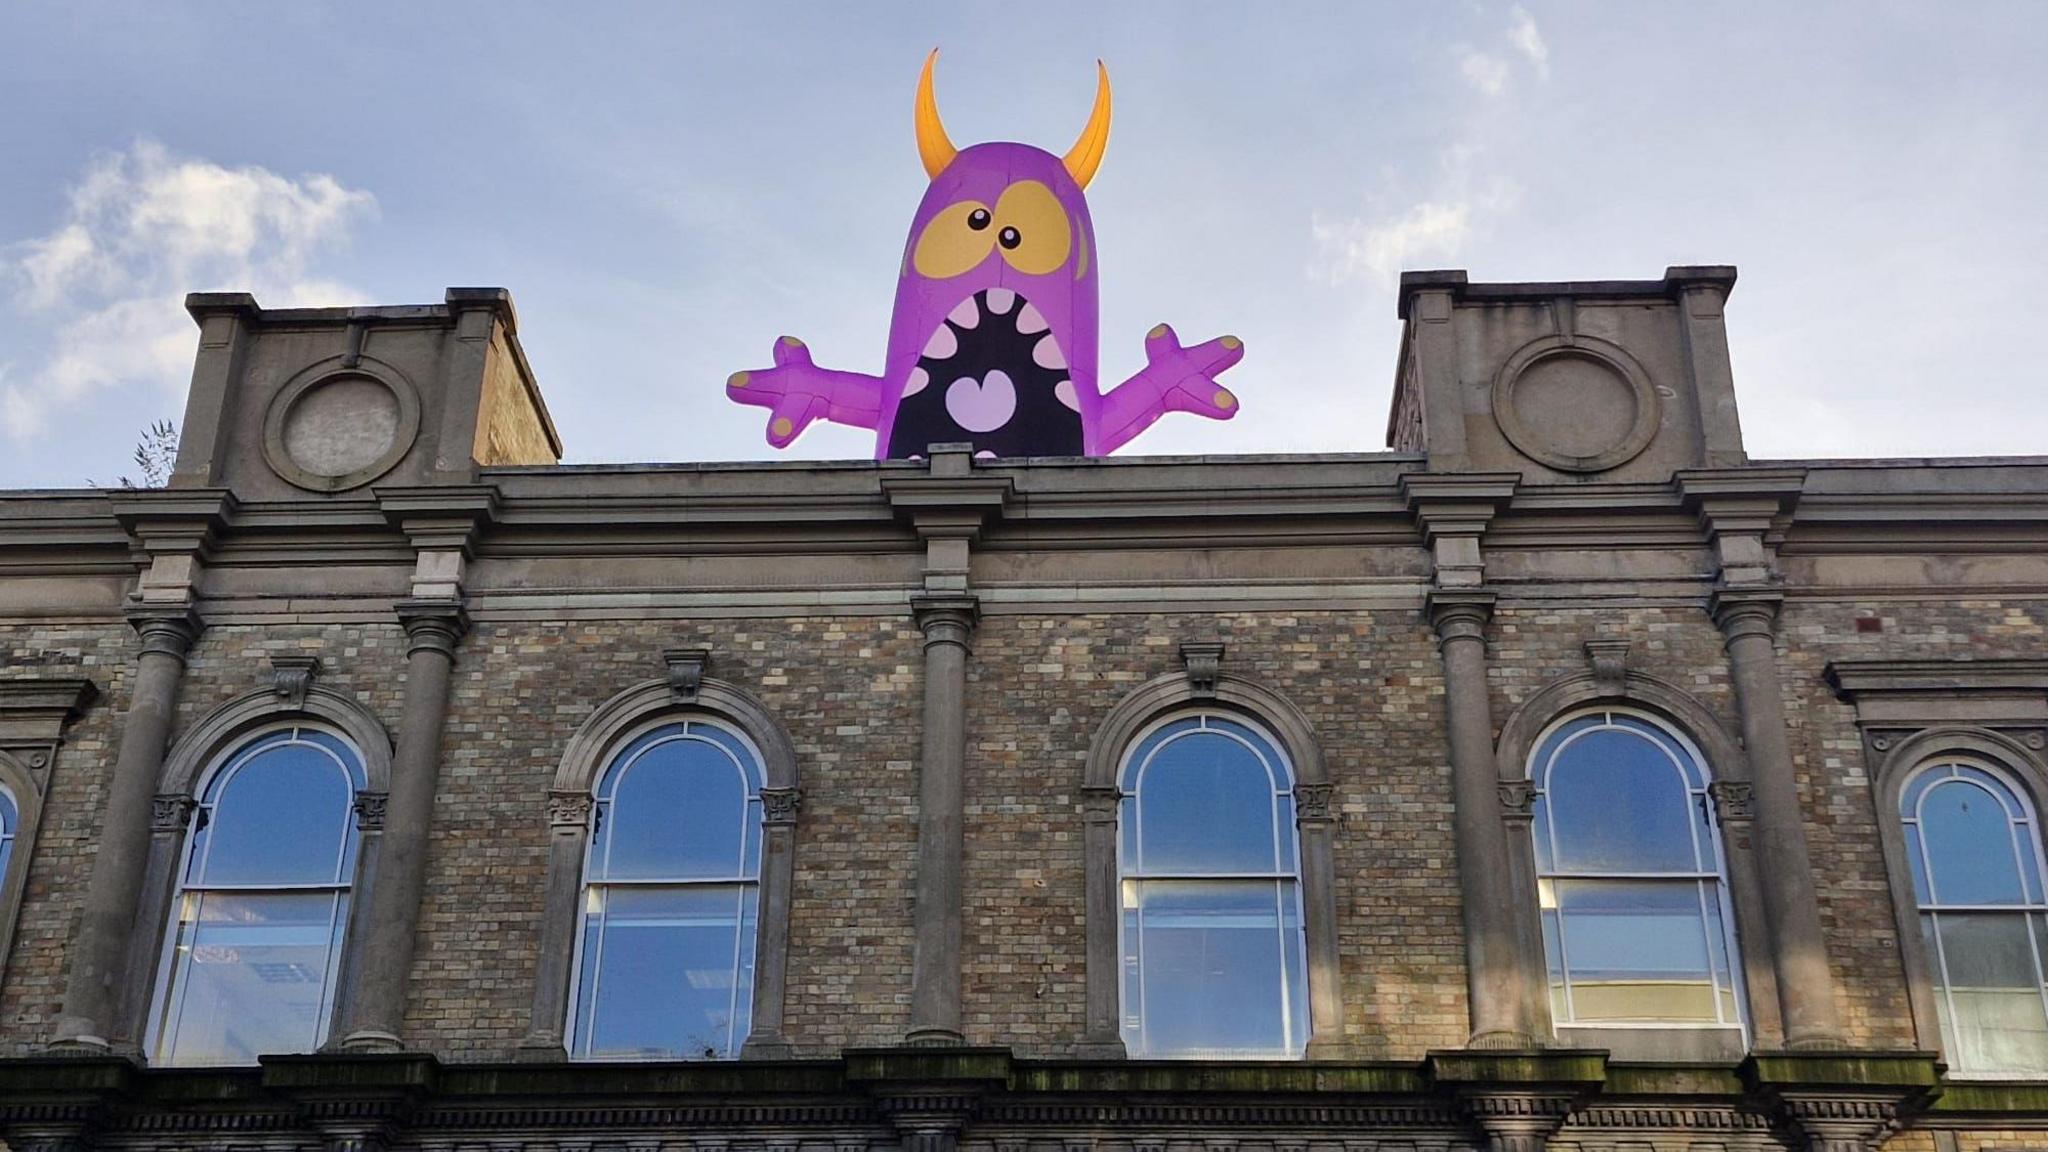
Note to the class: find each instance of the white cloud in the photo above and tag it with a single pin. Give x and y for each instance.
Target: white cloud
(1379, 249)
(1488, 74)
(141, 229)
(1527, 40)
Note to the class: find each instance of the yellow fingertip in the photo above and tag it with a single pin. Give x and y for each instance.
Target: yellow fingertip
(1157, 333)
(781, 427)
(792, 342)
(1231, 342)
(736, 380)
(1225, 399)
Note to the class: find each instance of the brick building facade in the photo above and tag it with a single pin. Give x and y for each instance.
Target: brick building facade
(942, 669)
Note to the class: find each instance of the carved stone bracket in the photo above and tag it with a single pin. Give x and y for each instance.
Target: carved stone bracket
(291, 676)
(779, 805)
(568, 809)
(1734, 800)
(1203, 660)
(1517, 799)
(686, 671)
(171, 812)
(1841, 1101)
(1099, 803)
(369, 809)
(1312, 803)
(1609, 662)
(1517, 1119)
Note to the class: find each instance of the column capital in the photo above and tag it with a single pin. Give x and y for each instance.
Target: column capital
(946, 618)
(1460, 614)
(433, 625)
(568, 809)
(1099, 803)
(369, 809)
(1517, 800)
(1312, 803)
(166, 631)
(1734, 800)
(170, 812)
(779, 806)
(1740, 612)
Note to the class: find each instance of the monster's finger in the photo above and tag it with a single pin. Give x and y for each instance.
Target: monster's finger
(1161, 342)
(790, 416)
(1216, 355)
(1203, 397)
(759, 388)
(790, 350)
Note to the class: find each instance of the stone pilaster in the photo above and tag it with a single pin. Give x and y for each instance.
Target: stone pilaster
(765, 1040)
(948, 623)
(433, 629)
(1102, 1037)
(99, 953)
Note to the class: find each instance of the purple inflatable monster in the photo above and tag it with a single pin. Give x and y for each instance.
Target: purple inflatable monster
(994, 336)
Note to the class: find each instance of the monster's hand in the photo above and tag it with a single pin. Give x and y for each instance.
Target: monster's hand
(1174, 379)
(797, 392)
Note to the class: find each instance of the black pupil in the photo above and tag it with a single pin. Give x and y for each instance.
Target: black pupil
(978, 219)
(1008, 238)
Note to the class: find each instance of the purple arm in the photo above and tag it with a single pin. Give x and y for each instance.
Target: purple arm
(1174, 379)
(797, 392)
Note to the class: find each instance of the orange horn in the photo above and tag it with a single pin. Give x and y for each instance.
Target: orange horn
(932, 145)
(1086, 155)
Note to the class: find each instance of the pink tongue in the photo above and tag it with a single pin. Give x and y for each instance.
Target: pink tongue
(982, 405)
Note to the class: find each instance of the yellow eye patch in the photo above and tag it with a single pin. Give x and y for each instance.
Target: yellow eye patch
(1031, 228)
(956, 240)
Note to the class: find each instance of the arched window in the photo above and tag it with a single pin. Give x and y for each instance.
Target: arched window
(664, 965)
(1631, 884)
(10, 827)
(1212, 943)
(1974, 847)
(256, 930)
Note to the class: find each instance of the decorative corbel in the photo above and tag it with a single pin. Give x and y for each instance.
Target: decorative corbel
(1609, 662)
(291, 676)
(686, 671)
(1203, 660)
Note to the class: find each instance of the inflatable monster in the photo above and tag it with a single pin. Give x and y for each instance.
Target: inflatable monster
(994, 335)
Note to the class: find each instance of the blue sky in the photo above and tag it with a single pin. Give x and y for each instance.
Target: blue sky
(666, 188)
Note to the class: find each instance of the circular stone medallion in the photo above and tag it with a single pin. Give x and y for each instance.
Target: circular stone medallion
(334, 428)
(1578, 406)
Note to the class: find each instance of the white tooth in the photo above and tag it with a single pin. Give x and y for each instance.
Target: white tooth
(1030, 320)
(999, 301)
(984, 454)
(916, 381)
(942, 345)
(1048, 354)
(965, 314)
(1065, 391)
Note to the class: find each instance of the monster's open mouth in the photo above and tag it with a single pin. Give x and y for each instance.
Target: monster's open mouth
(992, 372)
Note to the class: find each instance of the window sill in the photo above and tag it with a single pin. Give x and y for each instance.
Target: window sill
(1660, 1045)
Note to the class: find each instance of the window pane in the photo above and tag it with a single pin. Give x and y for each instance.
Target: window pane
(1205, 804)
(1215, 979)
(10, 819)
(1998, 1023)
(250, 975)
(1619, 805)
(677, 813)
(283, 816)
(667, 966)
(1637, 950)
(1969, 846)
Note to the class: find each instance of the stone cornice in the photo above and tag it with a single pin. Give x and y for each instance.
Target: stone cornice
(445, 517)
(37, 709)
(1853, 678)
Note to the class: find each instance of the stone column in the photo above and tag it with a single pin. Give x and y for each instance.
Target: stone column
(377, 1011)
(1314, 820)
(1492, 972)
(1806, 987)
(948, 623)
(561, 920)
(765, 1040)
(1102, 1036)
(100, 951)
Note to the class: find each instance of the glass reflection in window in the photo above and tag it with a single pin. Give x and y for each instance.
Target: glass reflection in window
(1631, 885)
(1212, 943)
(256, 935)
(1974, 848)
(665, 959)
(10, 825)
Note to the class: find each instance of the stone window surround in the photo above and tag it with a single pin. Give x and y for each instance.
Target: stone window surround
(1203, 688)
(1913, 713)
(683, 694)
(1727, 770)
(33, 715)
(207, 744)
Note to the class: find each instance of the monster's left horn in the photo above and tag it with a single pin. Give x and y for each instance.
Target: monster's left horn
(932, 145)
(1086, 155)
